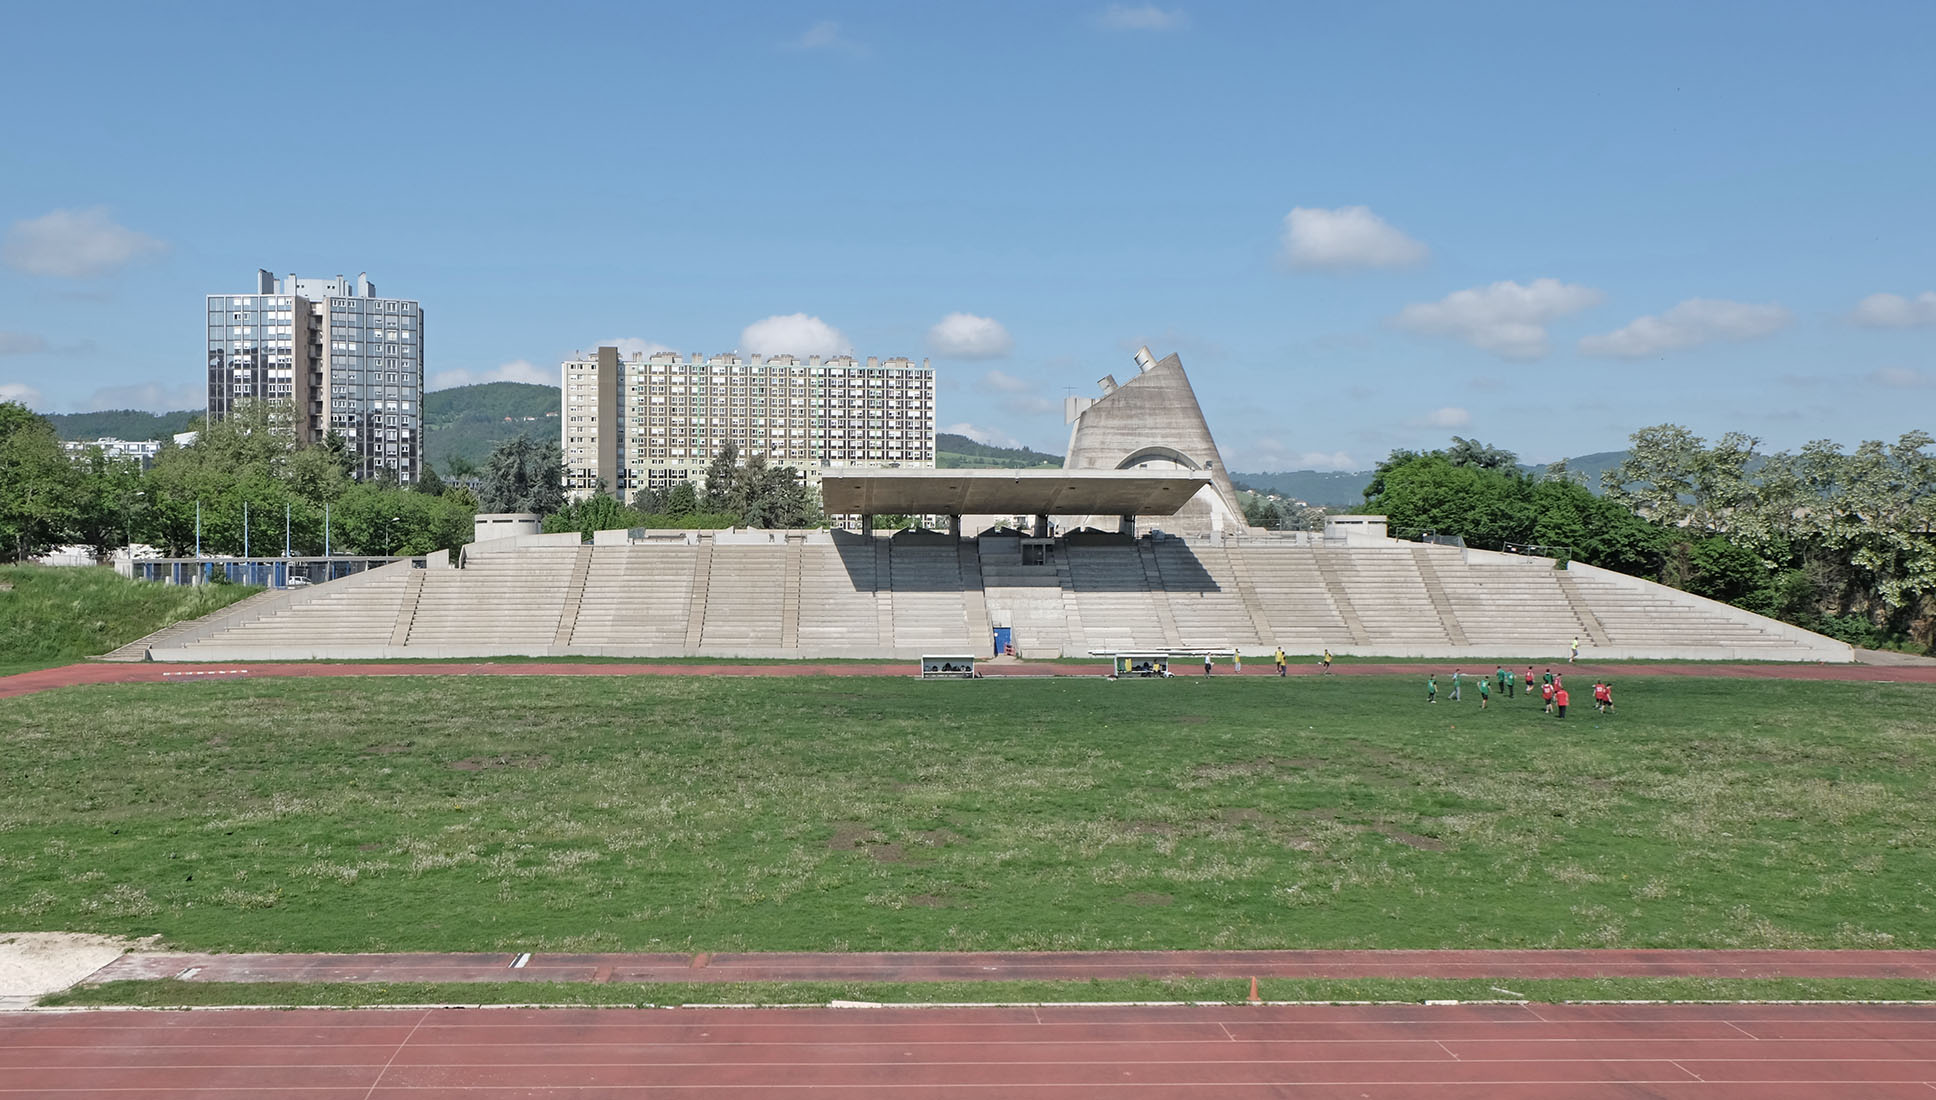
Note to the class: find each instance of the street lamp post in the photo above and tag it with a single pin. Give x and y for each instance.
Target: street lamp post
(127, 522)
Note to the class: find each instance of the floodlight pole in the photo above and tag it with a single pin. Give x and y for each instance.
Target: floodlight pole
(285, 528)
(245, 529)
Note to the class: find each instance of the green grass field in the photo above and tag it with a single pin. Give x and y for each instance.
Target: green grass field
(697, 814)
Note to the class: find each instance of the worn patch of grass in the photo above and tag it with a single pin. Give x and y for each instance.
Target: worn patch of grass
(732, 814)
(55, 615)
(172, 993)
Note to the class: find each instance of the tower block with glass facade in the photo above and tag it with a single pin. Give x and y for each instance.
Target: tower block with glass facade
(344, 359)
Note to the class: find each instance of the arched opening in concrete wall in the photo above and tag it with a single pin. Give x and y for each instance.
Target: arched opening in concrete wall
(1159, 458)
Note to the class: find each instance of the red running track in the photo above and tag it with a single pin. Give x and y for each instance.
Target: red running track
(1395, 1052)
(26, 683)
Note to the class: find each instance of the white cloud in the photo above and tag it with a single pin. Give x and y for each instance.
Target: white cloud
(1692, 323)
(1141, 17)
(1335, 460)
(1268, 454)
(1019, 395)
(987, 436)
(21, 392)
(1505, 318)
(825, 35)
(966, 336)
(1350, 236)
(75, 244)
(1900, 378)
(21, 343)
(517, 370)
(1896, 311)
(793, 334)
(151, 396)
(1005, 383)
(1451, 416)
(629, 346)
(1032, 405)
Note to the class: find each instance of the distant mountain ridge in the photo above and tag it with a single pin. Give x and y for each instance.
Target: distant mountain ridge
(130, 424)
(469, 422)
(1337, 489)
(462, 422)
(958, 452)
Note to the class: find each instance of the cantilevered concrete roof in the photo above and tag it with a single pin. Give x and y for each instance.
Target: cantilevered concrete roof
(1141, 492)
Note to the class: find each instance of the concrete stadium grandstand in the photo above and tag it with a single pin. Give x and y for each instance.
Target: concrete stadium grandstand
(1138, 543)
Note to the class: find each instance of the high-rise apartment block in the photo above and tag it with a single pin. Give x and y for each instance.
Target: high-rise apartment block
(348, 362)
(645, 423)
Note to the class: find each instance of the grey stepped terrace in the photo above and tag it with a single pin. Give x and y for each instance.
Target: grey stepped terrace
(819, 594)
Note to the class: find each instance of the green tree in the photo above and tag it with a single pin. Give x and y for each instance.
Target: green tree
(1656, 479)
(1490, 507)
(1259, 510)
(721, 493)
(524, 476)
(429, 482)
(317, 474)
(1471, 452)
(680, 500)
(110, 498)
(40, 491)
(771, 497)
(598, 512)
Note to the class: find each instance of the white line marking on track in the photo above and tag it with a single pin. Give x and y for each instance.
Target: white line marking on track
(518, 963)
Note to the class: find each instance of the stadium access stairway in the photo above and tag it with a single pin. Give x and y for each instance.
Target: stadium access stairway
(820, 594)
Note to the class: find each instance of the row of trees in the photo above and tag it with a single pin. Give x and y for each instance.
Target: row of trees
(245, 479)
(242, 482)
(1839, 542)
(735, 494)
(1492, 505)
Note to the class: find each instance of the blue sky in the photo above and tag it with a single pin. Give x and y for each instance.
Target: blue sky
(1363, 226)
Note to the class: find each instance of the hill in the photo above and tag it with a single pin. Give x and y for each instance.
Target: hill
(469, 422)
(955, 452)
(129, 424)
(464, 422)
(1337, 489)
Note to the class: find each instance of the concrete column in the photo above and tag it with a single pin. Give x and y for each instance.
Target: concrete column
(1042, 526)
(954, 526)
(867, 526)
(1128, 525)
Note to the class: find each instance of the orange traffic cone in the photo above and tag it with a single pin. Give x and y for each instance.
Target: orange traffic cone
(1254, 999)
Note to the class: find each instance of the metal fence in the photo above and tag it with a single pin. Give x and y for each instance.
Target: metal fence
(275, 572)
